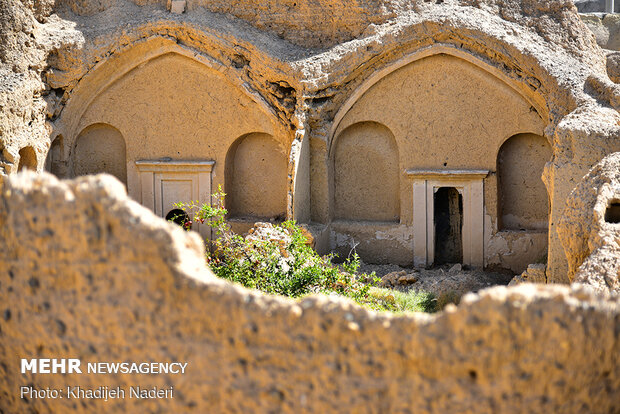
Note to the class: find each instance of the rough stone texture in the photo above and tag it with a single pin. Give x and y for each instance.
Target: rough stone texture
(580, 138)
(27, 34)
(590, 236)
(606, 29)
(594, 6)
(88, 273)
(613, 66)
(397, 279)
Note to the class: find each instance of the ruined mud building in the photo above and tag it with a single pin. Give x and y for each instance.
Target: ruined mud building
(381, 122)
(422, 132)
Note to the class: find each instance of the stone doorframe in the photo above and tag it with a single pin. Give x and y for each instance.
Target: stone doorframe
(157, 175)
(470, 185)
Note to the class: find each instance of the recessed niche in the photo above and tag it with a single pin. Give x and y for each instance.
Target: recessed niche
(366, 162)
(27, 159)
(100, 148)
(612, 213)
(523, 200)
(256, 177)
(54, 161)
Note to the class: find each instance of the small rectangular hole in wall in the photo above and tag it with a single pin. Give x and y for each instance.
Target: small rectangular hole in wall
(448, 221)
(612, 214)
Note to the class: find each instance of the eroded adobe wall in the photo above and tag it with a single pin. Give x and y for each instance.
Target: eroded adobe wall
(590, 227)
(27, 35)
(289, 19)
(85, 272)
(606, 29)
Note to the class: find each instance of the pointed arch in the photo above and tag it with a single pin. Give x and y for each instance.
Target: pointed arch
(535, 100)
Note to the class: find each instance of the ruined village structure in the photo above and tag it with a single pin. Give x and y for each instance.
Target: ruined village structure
(481, 132)
(408, 130)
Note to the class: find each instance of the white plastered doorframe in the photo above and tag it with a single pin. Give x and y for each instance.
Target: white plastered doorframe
(470, 185)
(157, 176)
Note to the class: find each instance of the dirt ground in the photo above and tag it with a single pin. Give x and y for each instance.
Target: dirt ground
(449, 279)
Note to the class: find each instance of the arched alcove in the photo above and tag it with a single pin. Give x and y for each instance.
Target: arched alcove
(448, 112)
(523, 200)
(54, 162)
(612, 212)
(366, 179)
(256, 177)
(172, 120)
(100, 148)
(27, 159)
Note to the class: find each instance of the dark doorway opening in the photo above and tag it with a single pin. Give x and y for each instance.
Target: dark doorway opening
(179, 217)
(612, 214)
(448, 218)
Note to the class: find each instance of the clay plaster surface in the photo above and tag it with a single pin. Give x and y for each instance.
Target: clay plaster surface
(366, 175)
(444, 112)
(100, 148)
(257, 171)
(175, 107)
(523, 198)
(385, 242)
(514, 250)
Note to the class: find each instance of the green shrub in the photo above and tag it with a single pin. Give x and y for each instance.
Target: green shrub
(285, 264)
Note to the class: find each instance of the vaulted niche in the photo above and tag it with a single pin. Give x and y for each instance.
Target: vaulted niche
(27, 159)
(366, 179)
(54, 162)
(100, 148)
(448, 221)
(256, 178)
(523, 200)
(449, 113)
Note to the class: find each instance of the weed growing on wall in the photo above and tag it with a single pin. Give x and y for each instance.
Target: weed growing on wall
(280, 261)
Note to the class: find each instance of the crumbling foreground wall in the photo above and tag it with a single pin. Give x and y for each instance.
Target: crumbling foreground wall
(86, 273)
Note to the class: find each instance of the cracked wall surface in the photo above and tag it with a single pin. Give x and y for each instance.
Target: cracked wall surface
(87, 272)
